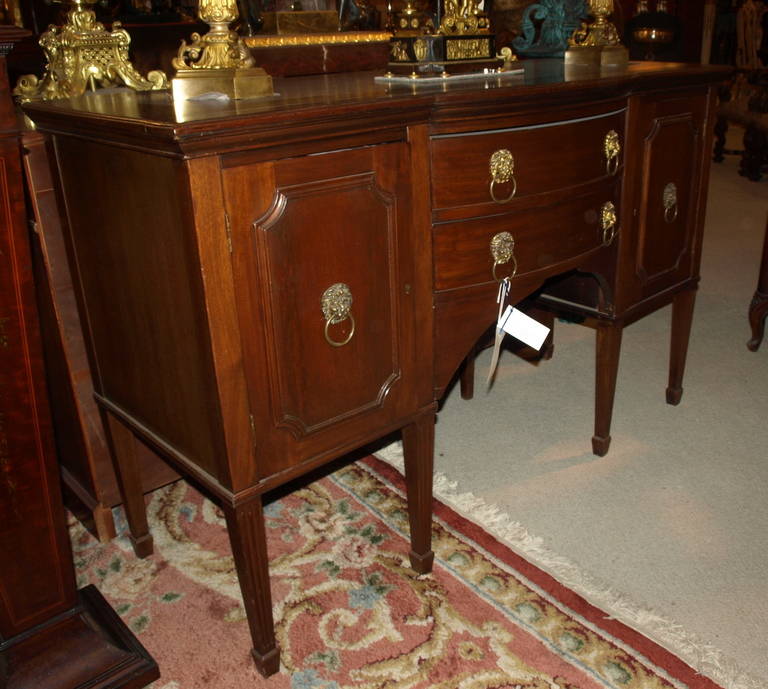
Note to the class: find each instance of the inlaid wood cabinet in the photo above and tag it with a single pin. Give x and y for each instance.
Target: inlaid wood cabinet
(270, 284)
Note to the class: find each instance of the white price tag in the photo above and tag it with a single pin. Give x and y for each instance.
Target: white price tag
(523, 327)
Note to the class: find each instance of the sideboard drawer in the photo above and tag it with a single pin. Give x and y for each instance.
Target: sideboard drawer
(538, 239)
(523, 161)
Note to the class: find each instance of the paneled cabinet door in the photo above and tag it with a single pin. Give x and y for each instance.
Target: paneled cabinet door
(326, 309)
(670, 139)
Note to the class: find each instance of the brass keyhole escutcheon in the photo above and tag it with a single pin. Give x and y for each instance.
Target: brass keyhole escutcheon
(502, 252)
(669, 200)
(608, 222)
(336, 304)
(502, 167)
(611, 149)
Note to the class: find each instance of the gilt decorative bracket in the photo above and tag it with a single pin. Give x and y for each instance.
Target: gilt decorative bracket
(83, 55)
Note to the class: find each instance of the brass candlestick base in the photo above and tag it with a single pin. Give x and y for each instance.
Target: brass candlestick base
(82, 55)
(597, 44)
(219, 61)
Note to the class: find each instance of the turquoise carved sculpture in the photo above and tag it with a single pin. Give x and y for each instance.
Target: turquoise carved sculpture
(547, 25)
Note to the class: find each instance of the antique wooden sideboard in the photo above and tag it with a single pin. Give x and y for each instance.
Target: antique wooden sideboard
(266, 285)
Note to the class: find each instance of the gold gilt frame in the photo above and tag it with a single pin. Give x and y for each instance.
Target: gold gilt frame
(337, 38)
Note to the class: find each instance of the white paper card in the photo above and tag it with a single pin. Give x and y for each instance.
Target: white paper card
(523, 327)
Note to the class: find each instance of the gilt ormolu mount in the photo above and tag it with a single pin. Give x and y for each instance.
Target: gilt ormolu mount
(462, 42)
(81, 55)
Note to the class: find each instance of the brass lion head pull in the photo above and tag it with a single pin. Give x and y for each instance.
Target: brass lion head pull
(669, 199)
(503, 251)
(611, 149)
(608, 222)
(502, 167)
(336, 304)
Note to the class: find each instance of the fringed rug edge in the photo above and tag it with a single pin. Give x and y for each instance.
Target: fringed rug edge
(701, 656)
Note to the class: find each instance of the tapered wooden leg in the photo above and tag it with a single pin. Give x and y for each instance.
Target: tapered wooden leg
(245, 523)
(467, 376)
(546, 318)
(608, 350)
(721, 129)
(104, 523)
(682, 318)
(123, 443)
(758, 310)
(418, 452)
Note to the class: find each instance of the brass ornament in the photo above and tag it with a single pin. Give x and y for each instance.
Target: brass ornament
(608, 222)
(502, 252)
(83, 55)
(597, 43)
(218, 61)
(600, 32)
(463, 18)
(420, 49)
(611, 149)
(338, 38)
(336, 304)
(502, 168)
(669, 200)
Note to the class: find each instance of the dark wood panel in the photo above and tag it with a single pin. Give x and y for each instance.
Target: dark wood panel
(141, 289)
(284, 263)
(673, 131)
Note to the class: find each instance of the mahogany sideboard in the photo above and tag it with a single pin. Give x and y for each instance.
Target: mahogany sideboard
(266, 285)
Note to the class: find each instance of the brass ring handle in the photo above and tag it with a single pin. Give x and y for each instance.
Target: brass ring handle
(502, 167)
(669, 200)
(511, 275)
(508, 198)
(502, 252)
(608, 222)
(335, 343)
(336, 304)
(611, 149)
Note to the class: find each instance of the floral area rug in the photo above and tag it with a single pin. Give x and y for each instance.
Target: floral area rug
(350, 612)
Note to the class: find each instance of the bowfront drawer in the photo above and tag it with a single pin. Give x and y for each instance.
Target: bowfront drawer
(483, 172)
(538, 239)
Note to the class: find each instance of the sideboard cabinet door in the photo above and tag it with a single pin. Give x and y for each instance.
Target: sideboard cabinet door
(324, 273)
(665, 242)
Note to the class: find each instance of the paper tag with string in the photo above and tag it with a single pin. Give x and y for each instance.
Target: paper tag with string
(501, 300)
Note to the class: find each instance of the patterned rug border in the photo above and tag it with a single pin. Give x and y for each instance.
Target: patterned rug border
(707, 666)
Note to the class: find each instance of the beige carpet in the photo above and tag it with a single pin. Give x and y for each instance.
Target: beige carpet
(674, 520)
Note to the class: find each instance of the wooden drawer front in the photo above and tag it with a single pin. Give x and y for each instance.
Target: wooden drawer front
(544, 238)
(545, 158)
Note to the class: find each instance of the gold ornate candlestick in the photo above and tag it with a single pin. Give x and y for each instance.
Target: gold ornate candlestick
(597, 43)
(82, 55)
(219, 61)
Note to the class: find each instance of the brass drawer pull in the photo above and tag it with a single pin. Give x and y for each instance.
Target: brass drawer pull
(502, 166)
(503, 251)
(611, 148)
(669, 199)
(608, 222)
(336, 303)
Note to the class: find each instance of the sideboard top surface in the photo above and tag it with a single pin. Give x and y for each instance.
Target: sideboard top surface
(330, 105)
